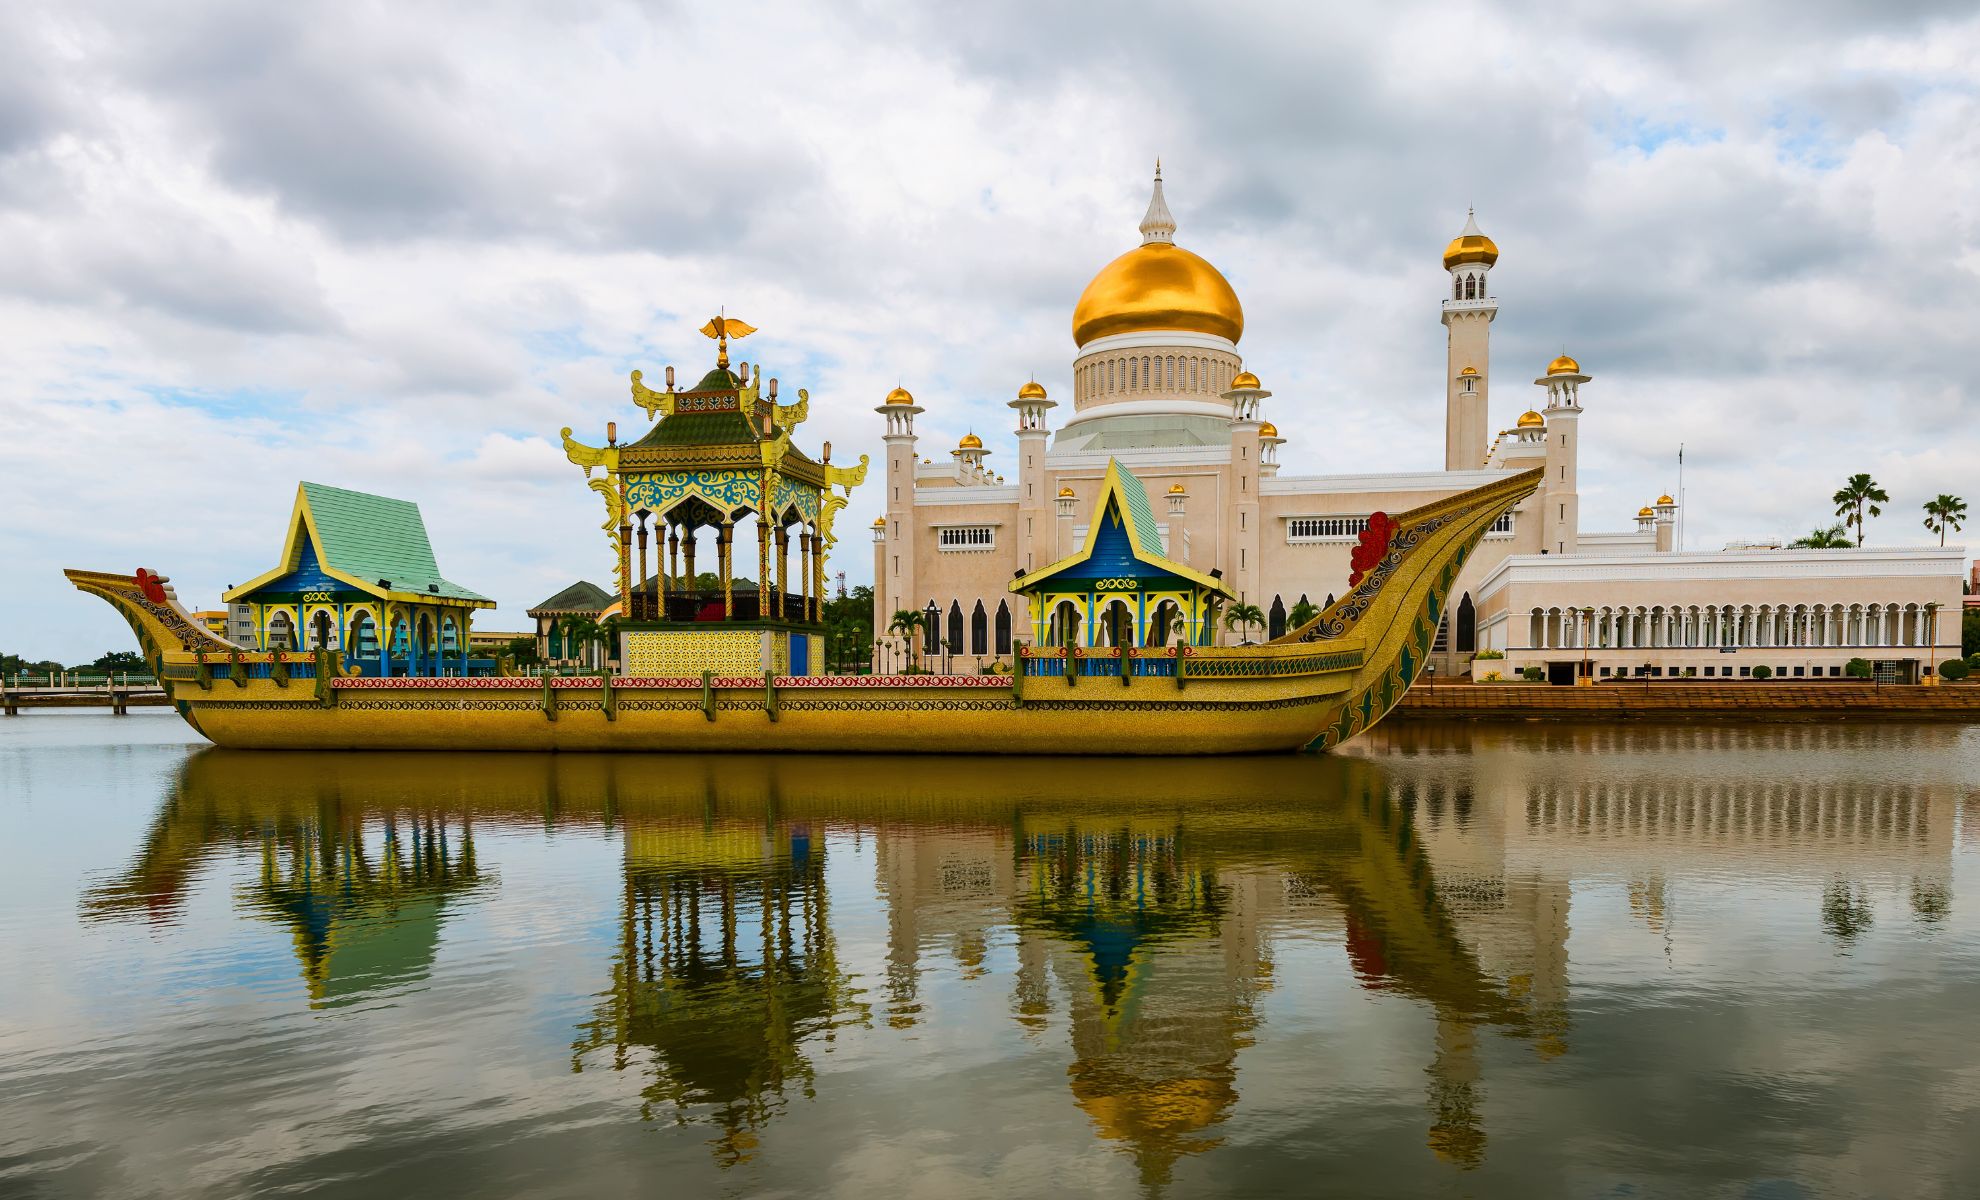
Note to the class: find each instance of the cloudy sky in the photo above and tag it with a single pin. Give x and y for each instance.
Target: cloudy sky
(397, 247)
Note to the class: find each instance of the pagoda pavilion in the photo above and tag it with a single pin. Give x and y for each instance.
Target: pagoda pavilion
(358, 576)
(1121, 589)
(718, 466)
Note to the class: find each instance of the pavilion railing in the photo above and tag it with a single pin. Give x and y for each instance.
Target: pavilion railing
(705, 604)
(1204, 662)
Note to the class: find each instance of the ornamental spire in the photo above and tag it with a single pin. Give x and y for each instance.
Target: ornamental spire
(1160, 224)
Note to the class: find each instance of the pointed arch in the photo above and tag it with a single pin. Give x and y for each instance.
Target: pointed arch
(1003, 627)
(979, 630)
(955, 631)
(1275, 620)
(1467, 626)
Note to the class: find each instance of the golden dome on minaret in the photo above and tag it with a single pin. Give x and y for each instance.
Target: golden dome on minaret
(1531, 420)
(900, 395)
(1470, 245)
(1245, 379)
(1646, 511)
(1065, 492)
(1564, 366)
(1268, 430)
(1032, 391)
(1665, 499)
(970, 442)
(1177, 489)
(1158, 285)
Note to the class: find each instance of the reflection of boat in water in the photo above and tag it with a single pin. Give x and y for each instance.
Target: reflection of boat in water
(1143, 895)
(1317, 686)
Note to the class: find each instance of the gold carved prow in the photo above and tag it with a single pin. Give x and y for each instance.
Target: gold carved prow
(722, 328)
(589, 457)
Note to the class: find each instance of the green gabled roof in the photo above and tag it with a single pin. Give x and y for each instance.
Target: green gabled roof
(1141, 514)
(582, 596)
(376, 537)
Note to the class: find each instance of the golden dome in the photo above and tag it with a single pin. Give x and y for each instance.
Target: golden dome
(1268, 430)
(1665, 499)
(900, 396)
(1470, 246)
(1531, 420)
(1646, 511)
(1469, 371)
(879, 522)
(1246, 379)
(1157, 285)
(970, 442)
(1065, 492)
(1176, 489)
(1564, 366)
(1032, 391)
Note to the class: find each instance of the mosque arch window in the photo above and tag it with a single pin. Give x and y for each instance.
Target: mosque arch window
(955, 638)
(1467, 625)
(966, 537)
(1275, 620)
(1003, 627)
(1325, 529)
(979, 630)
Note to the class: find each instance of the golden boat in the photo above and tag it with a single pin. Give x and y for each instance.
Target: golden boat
(1314, 688)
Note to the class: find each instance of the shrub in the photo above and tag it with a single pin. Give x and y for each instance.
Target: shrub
(1857, 668)
(1489, 655)
(1491, 677)
(1533, 674)
(1954, 669)
(1763, 672)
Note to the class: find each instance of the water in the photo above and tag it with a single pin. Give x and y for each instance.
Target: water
(1477, 961)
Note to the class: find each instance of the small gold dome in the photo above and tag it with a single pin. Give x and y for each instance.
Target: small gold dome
(1032, 391)
(1245, 379)
(1268, 430)
(1469, 371)
(1646, 511)
(900, 395)
(1065, 493)
(1470, 246)
(1665, 499)
(879, 522)
(1531, 420)
(1177, 489)
(1157, 286)
(970, 442)
(1564, 366)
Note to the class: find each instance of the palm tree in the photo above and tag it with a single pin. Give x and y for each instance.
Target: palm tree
(1245, 615)
(1832, 538)
(580, 632)
(908, 623)
(1302, 613)
(1944, 513)
(1852, 499)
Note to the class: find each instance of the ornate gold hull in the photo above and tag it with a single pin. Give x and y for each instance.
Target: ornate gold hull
(1316, 687)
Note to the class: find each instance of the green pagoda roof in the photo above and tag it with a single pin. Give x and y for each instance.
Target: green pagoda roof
(581, 597)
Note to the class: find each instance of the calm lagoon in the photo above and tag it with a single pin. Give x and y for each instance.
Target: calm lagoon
(1525, 960)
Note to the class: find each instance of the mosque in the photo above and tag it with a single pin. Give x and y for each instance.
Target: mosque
(1159, 386)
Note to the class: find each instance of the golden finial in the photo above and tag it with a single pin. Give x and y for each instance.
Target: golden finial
(722, 328)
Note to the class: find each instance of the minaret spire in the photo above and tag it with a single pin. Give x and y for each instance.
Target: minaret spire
(1159, 225)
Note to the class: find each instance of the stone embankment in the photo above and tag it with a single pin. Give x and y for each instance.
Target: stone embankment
(1790, 701)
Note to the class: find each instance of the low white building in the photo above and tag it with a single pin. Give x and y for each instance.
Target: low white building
(1800, 613)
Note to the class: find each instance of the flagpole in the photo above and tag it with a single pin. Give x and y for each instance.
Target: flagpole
(1680, 528)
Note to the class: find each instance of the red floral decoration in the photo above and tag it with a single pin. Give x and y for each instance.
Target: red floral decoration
(1374, 544)
(151, 585)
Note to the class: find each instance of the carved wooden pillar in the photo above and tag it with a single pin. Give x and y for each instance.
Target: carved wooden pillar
(723, 550)
(783, 568)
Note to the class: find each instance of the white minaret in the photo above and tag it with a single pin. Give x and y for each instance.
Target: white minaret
(1561, 510)
(1468, 314)
(1034, 523)
(893, 581)
(1243, 535)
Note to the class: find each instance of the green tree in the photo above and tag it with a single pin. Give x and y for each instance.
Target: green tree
(848, 628)
(1303, 613)
(1944, 512)
(1857, 668)
(1969, 632)
(1763, 671)
(907, 624)
(1860, 495)
(1835, 537)
(120, 660)
(522, 652)
(1954, 669)
(1243, 615)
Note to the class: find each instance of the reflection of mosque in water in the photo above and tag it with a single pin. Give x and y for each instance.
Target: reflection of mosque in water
(1144, 901)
